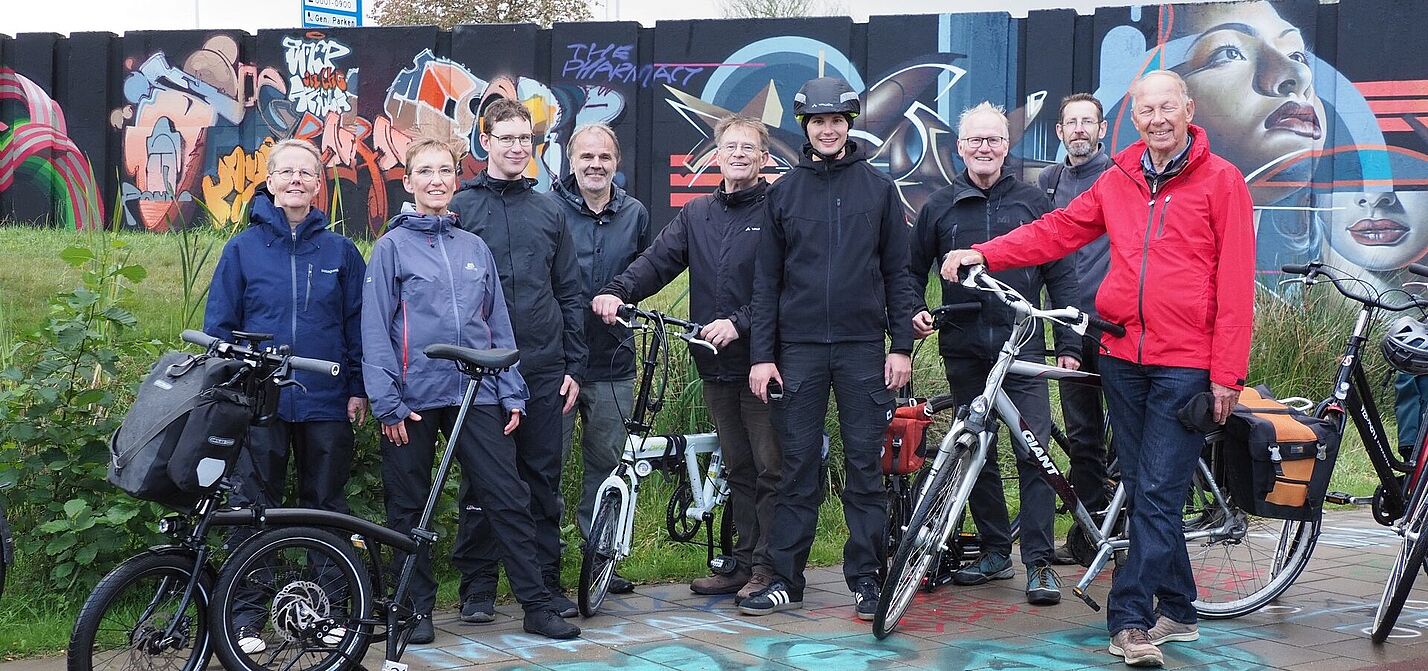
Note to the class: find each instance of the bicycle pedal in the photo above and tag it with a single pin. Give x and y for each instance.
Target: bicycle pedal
(1346, 499)
(1083, 596)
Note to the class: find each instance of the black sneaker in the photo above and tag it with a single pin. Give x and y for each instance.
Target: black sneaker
(478, 610)
(549, 624)
(562, 605)
(771, 599)
(1064, 556)
(865, 598)
(424, 633)
(619, 585)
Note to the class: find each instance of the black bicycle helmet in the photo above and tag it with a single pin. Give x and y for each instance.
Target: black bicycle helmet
(1405, 346)
(825, 95)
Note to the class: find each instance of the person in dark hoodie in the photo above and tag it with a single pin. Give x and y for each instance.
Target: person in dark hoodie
(1081, 125)
(830, 284)
(431, 282)
(610, 228)
(716, 237)
(983, 201)
(288, 275)
(535, 259)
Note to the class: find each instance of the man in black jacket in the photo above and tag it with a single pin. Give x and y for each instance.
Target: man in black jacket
(830, 284)
(535, 259)
(716, 237)
(1081, 125)
(986, 200)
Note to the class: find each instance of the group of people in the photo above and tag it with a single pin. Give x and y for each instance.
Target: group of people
(808, 286)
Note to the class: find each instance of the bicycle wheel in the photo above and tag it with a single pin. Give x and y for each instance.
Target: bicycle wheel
(1405, 567)
(124, 621)
(312, 590)
(597, 565)
(937, 508)
(1241, 571)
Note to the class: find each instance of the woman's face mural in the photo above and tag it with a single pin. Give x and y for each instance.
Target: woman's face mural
(1248, 71)
(1377, 229)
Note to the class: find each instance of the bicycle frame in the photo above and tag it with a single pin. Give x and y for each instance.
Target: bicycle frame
(642, 455)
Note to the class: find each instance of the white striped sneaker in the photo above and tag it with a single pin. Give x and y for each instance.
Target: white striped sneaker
(771, 599)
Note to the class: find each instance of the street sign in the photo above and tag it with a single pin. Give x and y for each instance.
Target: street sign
(331, 13)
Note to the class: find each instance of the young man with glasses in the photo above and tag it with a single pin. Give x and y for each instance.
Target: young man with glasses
(983, 201)
(716, 237)
(1081, 127)
(535, 259)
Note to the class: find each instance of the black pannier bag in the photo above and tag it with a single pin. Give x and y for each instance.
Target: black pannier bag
(183, 432)
(1278, 459)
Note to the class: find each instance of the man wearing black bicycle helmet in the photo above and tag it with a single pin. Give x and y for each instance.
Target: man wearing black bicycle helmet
(830, 285)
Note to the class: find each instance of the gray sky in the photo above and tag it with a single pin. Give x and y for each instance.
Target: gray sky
(67, 16)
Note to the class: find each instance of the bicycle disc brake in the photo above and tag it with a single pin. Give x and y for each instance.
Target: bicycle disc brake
(298, 608)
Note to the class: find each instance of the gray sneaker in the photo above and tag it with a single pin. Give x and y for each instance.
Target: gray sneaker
(990, 566)
(1167, 630)
(1043, 586)
(1134, 645)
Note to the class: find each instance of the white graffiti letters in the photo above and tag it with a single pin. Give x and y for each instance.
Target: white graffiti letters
(315, 83)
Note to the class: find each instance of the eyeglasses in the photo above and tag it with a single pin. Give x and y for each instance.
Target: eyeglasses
(428, 173)
(992, 142)
(1082, 123)
(744, 147)
(286, 174)
(511, 140)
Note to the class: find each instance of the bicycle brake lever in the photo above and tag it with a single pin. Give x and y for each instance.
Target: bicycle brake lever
(689, 338)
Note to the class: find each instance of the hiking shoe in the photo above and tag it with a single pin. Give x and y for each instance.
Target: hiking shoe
(1134, 645)
(562, 605)
(990, 566)
(619, 585)
(1043, 586)
(720, 584)
(549, 624)
(1167, 630)
(250, 642)
(478, 610)
(760, 579)
(424, 633)
(776, 597)
(865, 598)
(1064, 557)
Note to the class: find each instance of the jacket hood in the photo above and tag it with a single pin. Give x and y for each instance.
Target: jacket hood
(742, 196)
(423, 223)
(567, 189)
(962, 186)
(264, 212)
(853, 153)
(484, 180)
(1128, 159)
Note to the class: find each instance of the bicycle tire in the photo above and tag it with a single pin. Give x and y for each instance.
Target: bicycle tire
(312, 583)
(937, 509)
(1238, 575)
(1405, 568)
(597, 563)
(104, 612)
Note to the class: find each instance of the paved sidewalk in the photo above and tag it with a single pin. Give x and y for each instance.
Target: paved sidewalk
(1320, 623)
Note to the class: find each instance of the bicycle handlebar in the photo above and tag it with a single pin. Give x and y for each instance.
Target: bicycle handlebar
(231, 350)
(631, 316)
(979, 279)
(1311, 272)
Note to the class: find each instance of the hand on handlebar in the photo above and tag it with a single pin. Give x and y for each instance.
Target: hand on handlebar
(1225, 400)
(922, 324)
(958, 258)
(606, 306)
(1068, 362)
(759, 377)
(719, 333)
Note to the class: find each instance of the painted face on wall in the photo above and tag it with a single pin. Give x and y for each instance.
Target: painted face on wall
(1249, 74)
(431, 179)
(592, 159)
(508, 144)
(1377, 229)
(293, 178)
(982, 144)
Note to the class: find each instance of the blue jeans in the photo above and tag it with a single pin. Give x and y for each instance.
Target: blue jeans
(1409, 402)
(1158, 456)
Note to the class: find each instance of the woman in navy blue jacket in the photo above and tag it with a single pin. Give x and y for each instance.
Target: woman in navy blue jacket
(288, 275)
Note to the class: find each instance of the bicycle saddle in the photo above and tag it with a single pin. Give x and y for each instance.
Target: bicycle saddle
(489, 359)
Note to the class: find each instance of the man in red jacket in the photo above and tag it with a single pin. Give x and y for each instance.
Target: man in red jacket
(1181, 281)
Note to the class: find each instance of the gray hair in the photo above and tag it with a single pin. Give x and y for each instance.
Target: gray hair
(594, 127)
(1167, 74)
(985, 107)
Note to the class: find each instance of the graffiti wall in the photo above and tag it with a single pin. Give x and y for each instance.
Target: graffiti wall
(1324, 107)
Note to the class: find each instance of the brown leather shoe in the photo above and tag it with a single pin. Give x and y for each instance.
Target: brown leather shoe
(759, 580)
(719, 584)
